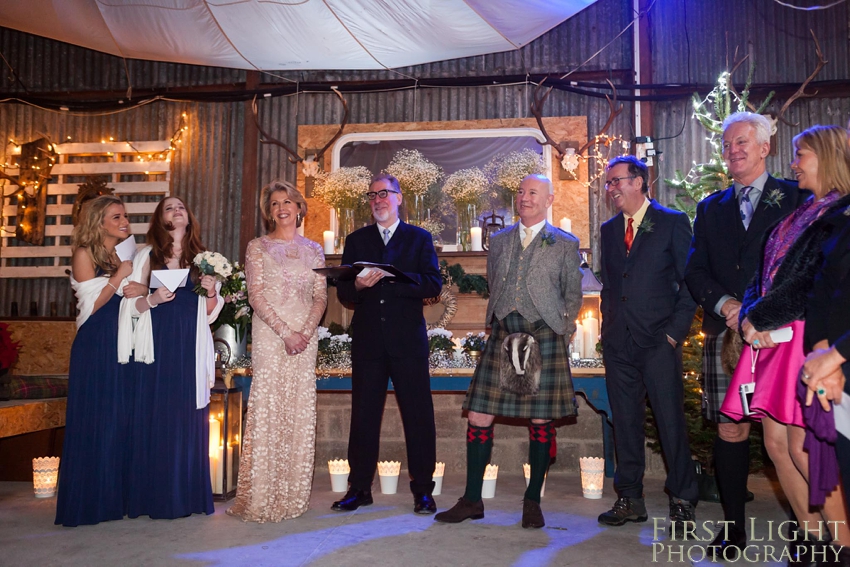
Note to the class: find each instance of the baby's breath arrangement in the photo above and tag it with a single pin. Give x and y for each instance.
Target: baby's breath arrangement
(508, 171)
(414, 172)
(467, 186)
(344, 188)
(435, 227)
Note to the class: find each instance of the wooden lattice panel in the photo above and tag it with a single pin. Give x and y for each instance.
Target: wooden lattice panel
(140, 183)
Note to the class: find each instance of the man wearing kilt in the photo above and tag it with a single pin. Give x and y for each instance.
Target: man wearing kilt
(535, 295)
(646, 315)
(726, 250)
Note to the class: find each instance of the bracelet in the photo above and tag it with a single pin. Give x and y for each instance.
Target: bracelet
(211, 296)
(148, 300)
(109, 283)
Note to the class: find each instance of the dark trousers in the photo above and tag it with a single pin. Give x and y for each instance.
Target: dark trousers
(632, 374)
(412, 384)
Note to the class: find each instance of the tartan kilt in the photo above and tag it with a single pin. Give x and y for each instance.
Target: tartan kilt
(715, 382)
(556, 397)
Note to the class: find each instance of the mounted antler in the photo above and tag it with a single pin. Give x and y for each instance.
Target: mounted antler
(560, 148)
(293, 157)
(801, 92)
(614, 113)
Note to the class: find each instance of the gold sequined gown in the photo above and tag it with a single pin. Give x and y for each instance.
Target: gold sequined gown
(276, 470)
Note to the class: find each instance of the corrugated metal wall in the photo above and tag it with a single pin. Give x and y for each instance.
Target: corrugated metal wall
(208, 171)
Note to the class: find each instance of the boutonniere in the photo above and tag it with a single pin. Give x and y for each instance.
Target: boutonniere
(646, 225)
(847, 212)
(547, 238)
(774, 198)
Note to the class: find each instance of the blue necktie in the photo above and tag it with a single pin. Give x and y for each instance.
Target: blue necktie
(746, 207)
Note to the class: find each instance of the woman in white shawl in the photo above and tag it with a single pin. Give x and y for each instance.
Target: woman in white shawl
(92, 476)
(169, 468)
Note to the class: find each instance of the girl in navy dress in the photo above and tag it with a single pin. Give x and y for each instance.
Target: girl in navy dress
(169, 467)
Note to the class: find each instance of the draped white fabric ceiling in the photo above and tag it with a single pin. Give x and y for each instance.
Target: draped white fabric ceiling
(293, 34)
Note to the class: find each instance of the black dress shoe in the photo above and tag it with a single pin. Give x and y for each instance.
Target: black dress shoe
(424, 504)
(532, 515)
(728, 544)
(807, 549)
(353, 500)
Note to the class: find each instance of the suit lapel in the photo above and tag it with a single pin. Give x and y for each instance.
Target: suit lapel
(767, 214)
(507, 253)
(619, 226)
(730, 214)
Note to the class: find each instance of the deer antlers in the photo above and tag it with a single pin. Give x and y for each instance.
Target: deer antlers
(801, 92)
(560, 148)
(293, 156)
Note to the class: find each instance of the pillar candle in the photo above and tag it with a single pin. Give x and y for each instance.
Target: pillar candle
(578, 340)
(475, 236)
(231, 470)
(218, 487)
(215, 440)
(328, 237)
(590, 325)
(566, 225)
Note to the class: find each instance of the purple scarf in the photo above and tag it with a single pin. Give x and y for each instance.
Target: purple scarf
(820, 445)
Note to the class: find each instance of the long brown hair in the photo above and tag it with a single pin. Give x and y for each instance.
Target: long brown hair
(162, 244)
(88, 233)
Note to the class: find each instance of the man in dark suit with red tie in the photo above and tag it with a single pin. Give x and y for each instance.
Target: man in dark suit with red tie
(646, 314)
(389, 341)
(725, 253)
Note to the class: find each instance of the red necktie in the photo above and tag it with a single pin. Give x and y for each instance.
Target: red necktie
(630, 236)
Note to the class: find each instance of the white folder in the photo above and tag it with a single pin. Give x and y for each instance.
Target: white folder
(172, 279)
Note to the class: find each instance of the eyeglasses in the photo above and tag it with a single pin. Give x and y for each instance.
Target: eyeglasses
(615, 181)
(382, 193)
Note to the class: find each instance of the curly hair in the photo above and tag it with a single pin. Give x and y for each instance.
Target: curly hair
(88, 232)
(291, 192)
(162, 244)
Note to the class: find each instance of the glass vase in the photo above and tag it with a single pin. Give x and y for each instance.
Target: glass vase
(344, 227)
(417, 212)
(467, 217)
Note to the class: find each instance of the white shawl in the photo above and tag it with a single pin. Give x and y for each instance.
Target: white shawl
(87, 293)
(141, 341)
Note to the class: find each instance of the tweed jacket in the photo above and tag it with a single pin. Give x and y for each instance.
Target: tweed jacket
(553, 283)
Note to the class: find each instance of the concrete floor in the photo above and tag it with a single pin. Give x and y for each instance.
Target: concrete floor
(386, 533)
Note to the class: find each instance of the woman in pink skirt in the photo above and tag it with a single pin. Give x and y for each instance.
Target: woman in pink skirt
(776, 300)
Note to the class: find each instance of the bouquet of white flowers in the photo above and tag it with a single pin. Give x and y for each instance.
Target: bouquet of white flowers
(236, 311)
(212, 264)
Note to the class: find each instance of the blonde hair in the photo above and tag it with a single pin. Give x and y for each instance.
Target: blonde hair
(291, 192)
(830, 145)
(88, 233)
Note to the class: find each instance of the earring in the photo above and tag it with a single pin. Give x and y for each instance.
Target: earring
(298, 217)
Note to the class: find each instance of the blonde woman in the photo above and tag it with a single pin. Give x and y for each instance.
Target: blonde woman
(91, 480)
(289, 298)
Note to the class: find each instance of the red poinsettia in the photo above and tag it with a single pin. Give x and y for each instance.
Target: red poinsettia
(8, 348)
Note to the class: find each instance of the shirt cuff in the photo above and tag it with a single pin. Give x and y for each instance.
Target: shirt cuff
(720, 304)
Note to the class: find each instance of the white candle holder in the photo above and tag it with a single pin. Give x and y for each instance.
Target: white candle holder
(488, 489)
(437, 477)
(388, 473)
(592, 476)
(526, 469)
(339, 470)
(45, 473)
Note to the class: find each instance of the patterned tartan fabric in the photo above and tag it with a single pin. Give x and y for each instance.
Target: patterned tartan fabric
(478, 435)
(715, 382)
(541, 433)
(37, 387)
(556, 397)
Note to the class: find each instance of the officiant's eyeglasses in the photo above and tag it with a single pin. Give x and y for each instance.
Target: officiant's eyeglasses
(382, 193)
(615, 181)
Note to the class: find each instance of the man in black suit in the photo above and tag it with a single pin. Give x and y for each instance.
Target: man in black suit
(646, 314)
(725, 252)
(389, 341)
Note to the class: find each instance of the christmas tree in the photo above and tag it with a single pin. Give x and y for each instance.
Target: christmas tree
(703, 179)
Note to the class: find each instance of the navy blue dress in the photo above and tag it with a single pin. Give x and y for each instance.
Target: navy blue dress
(91, 474)
(169, 466)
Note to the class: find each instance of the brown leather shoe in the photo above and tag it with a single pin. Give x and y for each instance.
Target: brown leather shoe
(532, 515)
(463, 510)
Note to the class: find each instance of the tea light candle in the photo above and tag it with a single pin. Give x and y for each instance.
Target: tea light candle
(328, 237)
(475, 236)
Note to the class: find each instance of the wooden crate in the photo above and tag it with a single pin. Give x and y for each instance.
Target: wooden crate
(140, 182)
